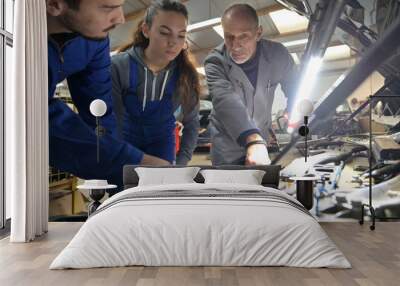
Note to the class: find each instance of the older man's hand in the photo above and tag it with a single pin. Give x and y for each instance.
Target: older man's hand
(257, 154)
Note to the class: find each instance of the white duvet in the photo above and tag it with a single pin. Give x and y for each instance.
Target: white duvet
(201, 224)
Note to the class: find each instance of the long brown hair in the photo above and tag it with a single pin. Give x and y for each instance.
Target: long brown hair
(188, 77)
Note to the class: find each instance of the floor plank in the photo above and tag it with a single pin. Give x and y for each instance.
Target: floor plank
(374, 255)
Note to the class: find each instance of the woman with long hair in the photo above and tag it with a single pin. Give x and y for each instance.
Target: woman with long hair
(153, 78)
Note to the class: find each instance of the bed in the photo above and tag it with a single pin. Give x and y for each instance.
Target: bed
(201, 224)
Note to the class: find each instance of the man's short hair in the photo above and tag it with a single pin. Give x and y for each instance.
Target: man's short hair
(243, 9)
(73, 4)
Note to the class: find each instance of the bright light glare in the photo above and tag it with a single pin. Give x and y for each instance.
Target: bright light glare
(295, 43)
(305, 88)
(295, 58)
(204, 24)
(337, 52)
(219, 30)
(201, 70)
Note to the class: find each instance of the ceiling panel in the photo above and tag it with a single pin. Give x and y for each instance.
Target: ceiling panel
(122, 34)
(134, 5)
(337, 52)
(202, 10)
(221, 5)
(288, 22)
(205, 39)
(269, 28)
(201, 42)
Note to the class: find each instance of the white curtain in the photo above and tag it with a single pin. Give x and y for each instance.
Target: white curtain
(27, 124)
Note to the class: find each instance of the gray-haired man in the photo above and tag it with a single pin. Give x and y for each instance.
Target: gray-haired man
(242, 75)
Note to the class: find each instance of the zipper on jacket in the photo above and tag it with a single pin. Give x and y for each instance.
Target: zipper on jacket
(163, 85)
(145, 88)
(153, 88)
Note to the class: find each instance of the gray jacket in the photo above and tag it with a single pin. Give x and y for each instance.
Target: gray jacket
(238, 107)
(151, 87)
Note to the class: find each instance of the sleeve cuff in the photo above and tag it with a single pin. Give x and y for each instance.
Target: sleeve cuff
(242, 137)
(136, 156)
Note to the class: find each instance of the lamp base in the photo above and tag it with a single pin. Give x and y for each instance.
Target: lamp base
(304, 193)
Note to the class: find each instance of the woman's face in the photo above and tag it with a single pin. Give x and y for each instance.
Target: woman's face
(167, 35)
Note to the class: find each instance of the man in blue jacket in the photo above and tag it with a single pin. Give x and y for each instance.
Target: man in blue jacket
(78, 51)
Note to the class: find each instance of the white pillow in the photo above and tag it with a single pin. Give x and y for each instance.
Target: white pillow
(164, 176)
(248, 177)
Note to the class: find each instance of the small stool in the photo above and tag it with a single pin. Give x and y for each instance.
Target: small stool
(304, 190)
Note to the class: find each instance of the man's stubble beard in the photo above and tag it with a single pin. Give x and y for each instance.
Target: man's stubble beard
(68, 24)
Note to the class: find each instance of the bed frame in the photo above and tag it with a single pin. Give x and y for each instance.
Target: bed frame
(270, 179)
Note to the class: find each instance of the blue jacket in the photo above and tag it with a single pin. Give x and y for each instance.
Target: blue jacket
(72, 138)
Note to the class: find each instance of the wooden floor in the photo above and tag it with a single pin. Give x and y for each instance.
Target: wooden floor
(374, 255)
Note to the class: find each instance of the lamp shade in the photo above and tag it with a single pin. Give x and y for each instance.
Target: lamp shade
(305, 107)
(98, 107)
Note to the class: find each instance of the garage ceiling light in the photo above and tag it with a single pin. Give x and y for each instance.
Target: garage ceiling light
(201, 25)
(295, 43)
(337, 53)
(219, 30)
(287, 21)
